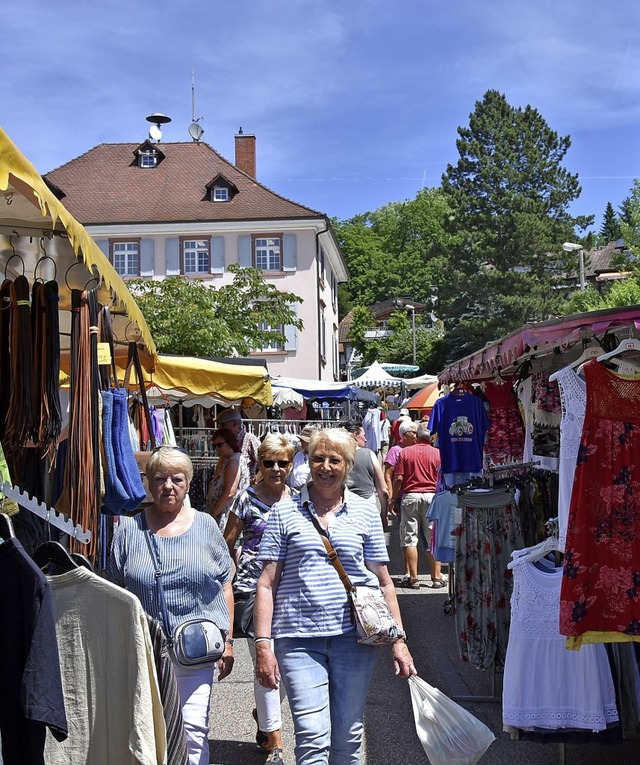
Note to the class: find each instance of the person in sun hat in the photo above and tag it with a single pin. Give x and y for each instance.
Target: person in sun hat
(300, 471)
(248, 444)
(395, 428)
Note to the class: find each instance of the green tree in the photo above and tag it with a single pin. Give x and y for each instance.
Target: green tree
(610, 230)
(188, 318)
(510, 197)
(401, 249)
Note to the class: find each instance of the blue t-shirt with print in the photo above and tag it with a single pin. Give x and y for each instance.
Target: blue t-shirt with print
(461, 422)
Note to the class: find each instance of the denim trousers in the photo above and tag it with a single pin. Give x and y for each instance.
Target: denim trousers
(326, 680)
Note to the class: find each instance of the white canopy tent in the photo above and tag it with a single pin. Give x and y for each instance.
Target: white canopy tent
(376, 377)
(421, 381)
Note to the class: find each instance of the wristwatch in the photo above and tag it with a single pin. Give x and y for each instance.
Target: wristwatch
(229, 641)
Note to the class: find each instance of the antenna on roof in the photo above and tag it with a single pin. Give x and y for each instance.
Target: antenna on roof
(157, 119)
(195, 130)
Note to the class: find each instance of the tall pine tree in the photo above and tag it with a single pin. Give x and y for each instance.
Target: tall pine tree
(610, 230)
(510, 197)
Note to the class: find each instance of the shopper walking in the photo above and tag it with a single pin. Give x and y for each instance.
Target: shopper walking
(415, 478)
(302, 609)
(196, 577)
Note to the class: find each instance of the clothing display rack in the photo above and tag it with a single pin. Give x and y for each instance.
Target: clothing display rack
(48, 514)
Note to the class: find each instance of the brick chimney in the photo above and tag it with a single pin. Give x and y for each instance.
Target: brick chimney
(246, 152)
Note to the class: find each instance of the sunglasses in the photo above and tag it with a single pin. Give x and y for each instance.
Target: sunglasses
(218, 444)
(273, 463)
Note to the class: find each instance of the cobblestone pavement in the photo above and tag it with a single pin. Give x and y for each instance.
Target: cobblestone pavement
(390, 737)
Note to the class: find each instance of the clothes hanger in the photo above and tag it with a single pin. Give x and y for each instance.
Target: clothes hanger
(532, 554)
(53, 555)
(629, 345)
(6, 527)
(589, 352)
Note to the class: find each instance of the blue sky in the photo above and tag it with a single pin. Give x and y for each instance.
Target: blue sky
(354, 104)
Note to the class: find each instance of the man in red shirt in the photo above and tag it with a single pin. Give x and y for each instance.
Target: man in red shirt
(415, 478)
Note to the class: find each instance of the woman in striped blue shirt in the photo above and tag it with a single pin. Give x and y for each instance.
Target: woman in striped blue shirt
(302, 617)
(196, 577)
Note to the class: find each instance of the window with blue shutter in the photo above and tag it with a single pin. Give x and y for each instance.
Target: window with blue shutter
(172, 250)
(289, 252)
(217, 254)
(245, 257)
(147, 264)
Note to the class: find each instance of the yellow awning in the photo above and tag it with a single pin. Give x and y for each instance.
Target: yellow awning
(36, 225)
(193, 380)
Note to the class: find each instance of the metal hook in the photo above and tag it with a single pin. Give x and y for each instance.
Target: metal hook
(44, 256)
(126, 333)
(14, 254)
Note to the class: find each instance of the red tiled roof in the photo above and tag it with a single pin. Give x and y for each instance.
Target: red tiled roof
(105, 186)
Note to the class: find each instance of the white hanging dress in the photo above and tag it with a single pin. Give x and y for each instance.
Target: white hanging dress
(547, 686)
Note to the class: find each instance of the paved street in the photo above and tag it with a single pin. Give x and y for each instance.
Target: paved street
(390, 737)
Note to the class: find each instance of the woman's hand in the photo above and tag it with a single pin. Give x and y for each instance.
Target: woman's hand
(267, 670)
(402, 660)
(225, 664)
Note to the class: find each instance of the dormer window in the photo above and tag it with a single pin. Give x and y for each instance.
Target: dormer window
(148, 155)
(219, 189)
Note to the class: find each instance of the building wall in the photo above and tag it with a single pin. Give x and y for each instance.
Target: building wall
(309, 275)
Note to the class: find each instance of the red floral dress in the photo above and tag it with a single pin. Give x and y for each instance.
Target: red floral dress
(601, 576)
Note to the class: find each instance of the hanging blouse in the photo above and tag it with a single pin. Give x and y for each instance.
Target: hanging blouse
(573, 397)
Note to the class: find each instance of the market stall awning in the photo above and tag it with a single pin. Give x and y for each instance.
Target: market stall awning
(48, 242)
(420, 382)
(323, 389)
(542, 338)
(193, 380)
(377, 377)
(425, 398)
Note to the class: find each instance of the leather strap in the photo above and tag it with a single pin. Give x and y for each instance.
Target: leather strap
(332, 554)
(134, 361)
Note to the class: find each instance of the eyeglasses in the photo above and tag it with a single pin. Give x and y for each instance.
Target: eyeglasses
(218, 444)
(273, 463)
(335, 461)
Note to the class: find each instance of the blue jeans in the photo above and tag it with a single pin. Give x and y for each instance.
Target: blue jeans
(326, 680)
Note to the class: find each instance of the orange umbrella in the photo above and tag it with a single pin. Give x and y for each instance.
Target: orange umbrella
(424, 399)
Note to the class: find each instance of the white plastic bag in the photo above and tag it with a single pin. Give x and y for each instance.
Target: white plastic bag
(448, 733)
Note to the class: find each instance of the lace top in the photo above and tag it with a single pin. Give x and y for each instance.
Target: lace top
(573, 396)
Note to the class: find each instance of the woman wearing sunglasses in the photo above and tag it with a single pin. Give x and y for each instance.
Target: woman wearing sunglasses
(230, 477)
(248, 516)
(303, 626)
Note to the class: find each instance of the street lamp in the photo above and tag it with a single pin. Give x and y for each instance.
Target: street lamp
(572, 247)
(401, 304)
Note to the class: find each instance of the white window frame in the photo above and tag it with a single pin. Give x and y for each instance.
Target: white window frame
(271, 347)
(219, 194)
(267, 252)
(148, 158)
(196, 256)
(125, 256)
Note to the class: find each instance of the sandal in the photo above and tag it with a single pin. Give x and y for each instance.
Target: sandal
(275, 757)
(437, 584)
(412, 584)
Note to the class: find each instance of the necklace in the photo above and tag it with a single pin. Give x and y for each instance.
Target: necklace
(328, 508)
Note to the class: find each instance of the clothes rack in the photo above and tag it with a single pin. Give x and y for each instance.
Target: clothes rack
(60, 521)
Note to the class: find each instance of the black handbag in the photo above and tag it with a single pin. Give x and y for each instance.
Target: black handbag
(243, 614)
(195, 641)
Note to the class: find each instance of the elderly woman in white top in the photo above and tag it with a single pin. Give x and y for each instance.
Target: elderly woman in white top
(302, 616)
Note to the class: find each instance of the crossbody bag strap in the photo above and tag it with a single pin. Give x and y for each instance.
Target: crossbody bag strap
(332, 554)
(155, 558)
